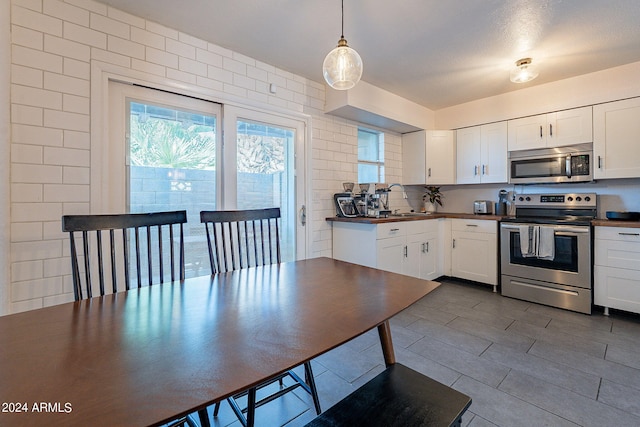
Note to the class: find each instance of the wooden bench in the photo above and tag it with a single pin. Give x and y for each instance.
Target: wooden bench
(399, 396)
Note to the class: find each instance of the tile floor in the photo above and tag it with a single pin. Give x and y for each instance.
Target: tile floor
(523, 364)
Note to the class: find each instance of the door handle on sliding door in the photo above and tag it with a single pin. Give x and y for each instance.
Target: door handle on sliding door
(303, 215)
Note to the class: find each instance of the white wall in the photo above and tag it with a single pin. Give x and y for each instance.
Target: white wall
(5, 72)
(602, 86)
(54, 45)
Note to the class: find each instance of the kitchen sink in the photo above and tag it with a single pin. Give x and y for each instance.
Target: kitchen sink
(408, 214)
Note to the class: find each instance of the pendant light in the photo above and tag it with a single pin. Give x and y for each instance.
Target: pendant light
(524, 71)
(342, 67)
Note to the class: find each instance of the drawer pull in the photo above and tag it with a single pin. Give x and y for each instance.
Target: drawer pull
(629, 234)
(472, 225)
(395, 229)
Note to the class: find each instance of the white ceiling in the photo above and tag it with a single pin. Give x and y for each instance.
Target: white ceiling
(434, 52)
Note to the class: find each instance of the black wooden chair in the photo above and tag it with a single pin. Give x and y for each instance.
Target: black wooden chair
(152, 244)
(155, 254)
(243, 239)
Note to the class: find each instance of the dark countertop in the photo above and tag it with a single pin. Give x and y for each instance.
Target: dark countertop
(418, 217)
(613, 223)
(436, 215)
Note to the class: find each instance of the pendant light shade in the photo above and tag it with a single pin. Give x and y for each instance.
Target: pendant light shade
(342, 67)
(524, 71)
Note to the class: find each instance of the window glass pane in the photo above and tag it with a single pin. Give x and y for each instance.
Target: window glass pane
(172, 166)
(368, 146)
(367, 173)
(370, 156)
(265, 175)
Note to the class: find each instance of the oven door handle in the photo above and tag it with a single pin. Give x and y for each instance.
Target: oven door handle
(558, 230)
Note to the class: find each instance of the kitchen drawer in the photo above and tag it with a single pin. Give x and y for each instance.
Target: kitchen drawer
(415, 227)
(624, 234)
(618, 254)
(391, 229)
(617, 288)
(474, 225)
(430, 225)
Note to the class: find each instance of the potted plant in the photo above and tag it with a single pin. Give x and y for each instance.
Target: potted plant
(432, 197)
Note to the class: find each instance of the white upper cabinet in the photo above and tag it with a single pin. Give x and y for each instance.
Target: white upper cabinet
(482, 154)
(567, 127)
(428, 157)
(616, 139)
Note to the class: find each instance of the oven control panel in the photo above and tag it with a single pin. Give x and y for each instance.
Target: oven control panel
(569, 200)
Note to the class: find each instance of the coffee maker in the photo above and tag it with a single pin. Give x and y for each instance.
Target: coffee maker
(504, 204)
(347, 202)
(345, 205)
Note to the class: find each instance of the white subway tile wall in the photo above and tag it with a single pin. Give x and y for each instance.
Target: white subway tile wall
(53, 44)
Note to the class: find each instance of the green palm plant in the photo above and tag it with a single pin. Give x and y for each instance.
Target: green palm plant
(170, 144)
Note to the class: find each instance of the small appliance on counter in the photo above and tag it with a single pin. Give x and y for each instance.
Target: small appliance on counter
(372, 201)
(483, 207)
(378, 202)
(346, 206)
(502, 206)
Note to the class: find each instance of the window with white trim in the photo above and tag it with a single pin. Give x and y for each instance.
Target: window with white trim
(370, 155)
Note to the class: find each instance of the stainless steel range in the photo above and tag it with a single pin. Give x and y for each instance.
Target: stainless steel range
(545, 250)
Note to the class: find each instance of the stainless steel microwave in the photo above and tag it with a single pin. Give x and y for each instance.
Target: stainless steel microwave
(551, 165)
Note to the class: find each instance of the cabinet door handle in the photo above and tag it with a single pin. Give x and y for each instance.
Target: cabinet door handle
(599, 162)
(454, 243)
(427, 246)
(422, 248)
(550, 129)
(475, 170)
(629, 234)
(540, 131)
(484, 168)
(429, 173)
(405, 252)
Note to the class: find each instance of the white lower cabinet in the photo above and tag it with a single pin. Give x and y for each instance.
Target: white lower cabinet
(405, 247)
(474, 250)
(617, 268)
(463, 248)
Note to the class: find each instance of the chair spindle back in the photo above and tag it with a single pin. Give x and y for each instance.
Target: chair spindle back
(146, 231)
(242, 239)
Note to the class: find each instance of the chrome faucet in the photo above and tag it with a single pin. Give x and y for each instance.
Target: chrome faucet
(404, 193)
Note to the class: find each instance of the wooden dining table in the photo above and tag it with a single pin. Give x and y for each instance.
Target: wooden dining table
(146, 356)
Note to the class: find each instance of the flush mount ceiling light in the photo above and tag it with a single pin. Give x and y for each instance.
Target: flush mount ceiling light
(342, 67)
(524, 71)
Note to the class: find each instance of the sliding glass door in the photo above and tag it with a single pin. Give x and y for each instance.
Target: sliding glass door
(167, 153)
(268, 153)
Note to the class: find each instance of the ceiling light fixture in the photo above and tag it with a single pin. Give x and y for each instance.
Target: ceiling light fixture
(524, 71)
(342, 67)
